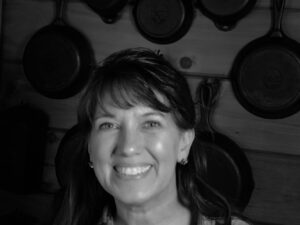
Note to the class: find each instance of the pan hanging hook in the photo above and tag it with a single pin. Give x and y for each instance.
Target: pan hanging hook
(208, 91)
(207, 95)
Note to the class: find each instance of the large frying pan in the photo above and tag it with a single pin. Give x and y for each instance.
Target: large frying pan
(266, 72)
(163, 22)
(225, 14)
(108, 10)
(58, 59)
(228, 169)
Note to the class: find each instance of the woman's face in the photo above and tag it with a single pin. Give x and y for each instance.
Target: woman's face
(134, 152)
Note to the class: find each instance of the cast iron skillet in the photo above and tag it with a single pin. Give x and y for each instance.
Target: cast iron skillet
(163, 22)
(228, 169)
(266, 72)
(108, 10)
(225, 14)
(58, 59)
(69, 147)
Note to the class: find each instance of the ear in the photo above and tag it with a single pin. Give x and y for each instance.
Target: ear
(185, 144)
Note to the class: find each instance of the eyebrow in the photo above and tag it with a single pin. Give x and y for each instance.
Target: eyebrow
(103, 113)
(154, 113)
(106, 113)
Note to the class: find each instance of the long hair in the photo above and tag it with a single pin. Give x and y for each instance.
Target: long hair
(131, 77)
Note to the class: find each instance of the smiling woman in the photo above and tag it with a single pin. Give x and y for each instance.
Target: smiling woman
(134, 152)
(138, 164)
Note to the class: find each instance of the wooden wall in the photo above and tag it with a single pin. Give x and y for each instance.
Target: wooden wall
(273, 146)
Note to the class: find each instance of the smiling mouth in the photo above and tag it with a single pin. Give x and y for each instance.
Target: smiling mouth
(132, 171)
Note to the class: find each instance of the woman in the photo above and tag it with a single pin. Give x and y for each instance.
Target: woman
(138, 164)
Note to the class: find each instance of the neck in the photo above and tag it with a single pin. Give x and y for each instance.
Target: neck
(166, 213)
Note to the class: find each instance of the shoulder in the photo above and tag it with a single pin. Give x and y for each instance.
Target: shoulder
(234, 221)
(237, 221)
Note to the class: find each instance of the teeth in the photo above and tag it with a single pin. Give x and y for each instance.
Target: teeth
(131, 171)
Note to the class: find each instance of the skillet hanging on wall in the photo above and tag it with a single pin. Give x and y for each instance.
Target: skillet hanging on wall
(225, 14)
(266, 72)
(227, 167)
(108, 10)
(70, 146)
(163, 22)
(58, 59)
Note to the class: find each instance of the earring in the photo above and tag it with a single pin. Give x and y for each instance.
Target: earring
(183, 162)
(91, 164)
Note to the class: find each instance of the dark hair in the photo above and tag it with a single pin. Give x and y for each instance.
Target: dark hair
(135, 76)
(130, 77)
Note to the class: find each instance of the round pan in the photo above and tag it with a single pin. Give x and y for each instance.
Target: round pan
(70, 146)
(266, 72)
(58, 59)
(228, 169)
(108, 10)
(163, 22)
(225, 14)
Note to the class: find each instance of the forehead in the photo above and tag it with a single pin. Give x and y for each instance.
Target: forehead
(128, 98)
(135, 111)
(108, 103)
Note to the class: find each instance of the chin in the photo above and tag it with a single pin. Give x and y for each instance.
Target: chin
(133, 198)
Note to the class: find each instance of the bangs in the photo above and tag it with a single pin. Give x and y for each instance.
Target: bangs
(127, 90)
(135, 77)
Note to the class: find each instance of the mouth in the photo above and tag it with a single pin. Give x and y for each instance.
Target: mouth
(130, 171)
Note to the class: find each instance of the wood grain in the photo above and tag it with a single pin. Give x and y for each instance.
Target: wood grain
(211, 50)
(273, 146)
(276, 198)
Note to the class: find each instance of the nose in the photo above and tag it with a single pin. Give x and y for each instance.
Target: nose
(128, 142)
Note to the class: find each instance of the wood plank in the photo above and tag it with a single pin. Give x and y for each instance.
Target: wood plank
(253, 132)
(16, 89)
(250, 131)
(211, 50)
(230, 118)
(276, 198)
(21, 19)
(260, 3)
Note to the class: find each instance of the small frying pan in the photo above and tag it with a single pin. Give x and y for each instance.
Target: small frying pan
(225, 14)
(108, 10)
(58, 59)
(163, 22)
(266, 72)
(228, 169)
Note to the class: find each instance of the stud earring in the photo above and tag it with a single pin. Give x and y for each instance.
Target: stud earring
(183, 162)
(91, 164)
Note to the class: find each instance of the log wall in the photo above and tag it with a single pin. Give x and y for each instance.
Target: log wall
(273, 146)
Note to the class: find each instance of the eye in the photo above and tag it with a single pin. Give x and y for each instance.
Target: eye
(107, 125)
(152, 124)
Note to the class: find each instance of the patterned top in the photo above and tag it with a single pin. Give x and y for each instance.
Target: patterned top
(107, 219)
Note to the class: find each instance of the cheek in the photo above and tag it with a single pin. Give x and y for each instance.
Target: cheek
(100, 156)
(164, 147)
(99, 148)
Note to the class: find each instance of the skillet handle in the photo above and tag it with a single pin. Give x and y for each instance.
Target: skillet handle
(59, 13)
(277, 14)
